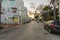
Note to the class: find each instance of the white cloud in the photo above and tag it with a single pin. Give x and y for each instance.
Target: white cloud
(26, 3)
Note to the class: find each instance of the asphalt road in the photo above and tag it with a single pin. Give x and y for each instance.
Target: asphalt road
(30, 31)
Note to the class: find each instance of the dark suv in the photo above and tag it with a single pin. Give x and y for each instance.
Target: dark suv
(53, 26)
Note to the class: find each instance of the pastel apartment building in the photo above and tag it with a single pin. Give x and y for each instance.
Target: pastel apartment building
(12, 11)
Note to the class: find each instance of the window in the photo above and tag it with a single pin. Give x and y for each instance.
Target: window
(12, 0)
(56, 22)
(14, 9)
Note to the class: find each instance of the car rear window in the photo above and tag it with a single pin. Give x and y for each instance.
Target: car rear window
(56, 22)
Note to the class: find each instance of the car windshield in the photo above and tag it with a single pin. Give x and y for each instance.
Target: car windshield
(56, 22)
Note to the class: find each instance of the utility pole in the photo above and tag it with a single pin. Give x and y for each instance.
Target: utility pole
(59, 10)
(54, 9)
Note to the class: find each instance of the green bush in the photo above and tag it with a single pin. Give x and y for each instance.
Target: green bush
(49, 18)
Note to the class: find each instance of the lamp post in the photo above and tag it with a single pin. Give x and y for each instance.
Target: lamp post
(54, 9)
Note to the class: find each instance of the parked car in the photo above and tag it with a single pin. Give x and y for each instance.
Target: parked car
(38, 21)
(23, 21)
(26, 20)
(52, 26)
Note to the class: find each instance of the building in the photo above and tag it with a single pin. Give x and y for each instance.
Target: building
(14, 10)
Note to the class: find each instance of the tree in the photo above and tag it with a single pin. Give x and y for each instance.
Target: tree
(39, 7)
(46, 8)
(36, 15)
(47, 15)
(54, 2)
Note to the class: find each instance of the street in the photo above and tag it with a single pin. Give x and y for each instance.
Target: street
(30, 31)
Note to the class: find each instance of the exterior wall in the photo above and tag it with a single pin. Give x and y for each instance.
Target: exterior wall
(19, 3)
(8, 11)
(3, 17)
(24, 12)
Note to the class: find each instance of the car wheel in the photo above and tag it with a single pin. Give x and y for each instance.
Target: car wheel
(50, 30)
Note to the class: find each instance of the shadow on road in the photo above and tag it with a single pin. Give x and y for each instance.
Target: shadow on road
(56, 34)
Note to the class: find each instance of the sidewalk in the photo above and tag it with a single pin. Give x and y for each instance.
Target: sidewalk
(8, 28)
(8, 25)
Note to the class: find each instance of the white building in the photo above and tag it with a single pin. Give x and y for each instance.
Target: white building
(13, 8)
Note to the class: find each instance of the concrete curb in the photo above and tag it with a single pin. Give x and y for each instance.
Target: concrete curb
(6, 30)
